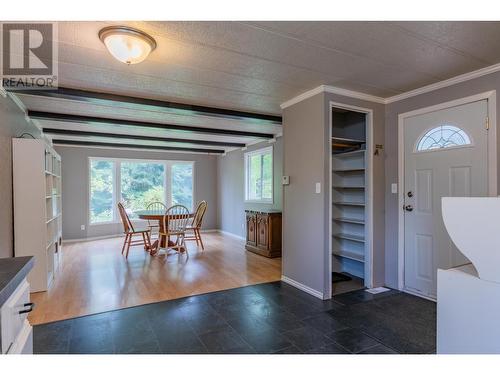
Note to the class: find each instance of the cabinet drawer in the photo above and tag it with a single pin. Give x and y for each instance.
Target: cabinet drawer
(12, 321)
(24, 341)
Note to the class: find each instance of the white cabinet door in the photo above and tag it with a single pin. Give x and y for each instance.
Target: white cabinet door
(14, 320)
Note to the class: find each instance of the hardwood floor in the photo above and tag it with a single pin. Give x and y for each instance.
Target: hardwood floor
(95, 277)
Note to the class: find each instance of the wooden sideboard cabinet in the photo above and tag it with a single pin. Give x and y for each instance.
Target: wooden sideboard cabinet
(263, 233)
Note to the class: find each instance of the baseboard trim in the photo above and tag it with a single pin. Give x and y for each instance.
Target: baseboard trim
(209, 230)
(304, 288)
(86, 239)
(231, 234)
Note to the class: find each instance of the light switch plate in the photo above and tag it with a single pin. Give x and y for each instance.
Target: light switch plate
(318, 187)
(394, 188)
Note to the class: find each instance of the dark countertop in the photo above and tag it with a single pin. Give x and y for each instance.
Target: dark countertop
(12, 272)
(263, 210)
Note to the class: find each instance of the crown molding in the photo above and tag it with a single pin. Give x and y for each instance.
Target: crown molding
(332, 90)
(442, 84)
(353, 94)
(377, 99)
(301, 97)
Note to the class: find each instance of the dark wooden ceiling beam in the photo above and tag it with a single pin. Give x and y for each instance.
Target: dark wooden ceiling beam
(136, 146)
(131, 137)
(38, 115)
(144, 103)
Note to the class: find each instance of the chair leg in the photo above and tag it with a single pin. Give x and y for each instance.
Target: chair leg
(196, 237)
(183, 244)
(199, 237)
(148, 240)
(125, 242)
(128, 245)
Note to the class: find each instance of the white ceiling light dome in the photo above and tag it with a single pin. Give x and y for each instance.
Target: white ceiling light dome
(126, 44)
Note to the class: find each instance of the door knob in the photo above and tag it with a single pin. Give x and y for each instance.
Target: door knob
(408, 207)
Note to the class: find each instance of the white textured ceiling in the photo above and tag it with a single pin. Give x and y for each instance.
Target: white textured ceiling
(256, 66)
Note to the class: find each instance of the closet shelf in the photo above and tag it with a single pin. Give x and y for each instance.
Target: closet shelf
(51, 174)
(349, 220)
(352, 187)
(348, 153)
(348, 140)
(349, 170)
(350, 237)
(359, 204)
(349, 254)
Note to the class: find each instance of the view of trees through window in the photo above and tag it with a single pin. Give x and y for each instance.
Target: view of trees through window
(101, 191)
(140, 183)
(182, 185)
(259, 175)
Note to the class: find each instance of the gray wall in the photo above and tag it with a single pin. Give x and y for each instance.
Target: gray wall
(231, 191)
(303, 210)
(461, 90)
(76, 195)
(12, 124)
(306, 128)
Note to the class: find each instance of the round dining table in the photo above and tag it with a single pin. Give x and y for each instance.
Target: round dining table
(157, 215)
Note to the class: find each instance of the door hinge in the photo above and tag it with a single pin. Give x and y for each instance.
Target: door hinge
(487, 123)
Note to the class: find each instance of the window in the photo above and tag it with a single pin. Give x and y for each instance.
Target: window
(137, 183)
(182, 184)
(101, 191)
(259, 175)
(141, 184)
(444, 136)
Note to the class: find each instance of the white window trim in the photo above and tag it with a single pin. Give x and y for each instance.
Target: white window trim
(117, 184)
(249, 154)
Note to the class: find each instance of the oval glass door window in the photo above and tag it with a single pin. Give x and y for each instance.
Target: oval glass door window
(443, 136)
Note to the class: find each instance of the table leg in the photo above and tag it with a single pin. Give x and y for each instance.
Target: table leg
(163, 240)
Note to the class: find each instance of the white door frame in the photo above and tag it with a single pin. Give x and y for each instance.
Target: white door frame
(490, 97)
(369, 193)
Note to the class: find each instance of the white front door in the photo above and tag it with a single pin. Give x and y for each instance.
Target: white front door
(446, 155)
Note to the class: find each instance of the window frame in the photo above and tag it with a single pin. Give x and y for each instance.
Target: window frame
(117, 193)
(246, 170)
(424, 133)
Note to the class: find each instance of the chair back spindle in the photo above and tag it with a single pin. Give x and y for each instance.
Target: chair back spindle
(176, 219)
(127, 224)
(199, 214)
(156, 206)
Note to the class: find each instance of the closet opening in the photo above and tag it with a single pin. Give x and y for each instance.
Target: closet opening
(350, 199)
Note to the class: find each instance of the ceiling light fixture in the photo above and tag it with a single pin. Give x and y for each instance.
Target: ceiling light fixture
(128, 45)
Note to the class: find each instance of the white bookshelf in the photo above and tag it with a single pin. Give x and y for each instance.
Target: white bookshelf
(37, 208)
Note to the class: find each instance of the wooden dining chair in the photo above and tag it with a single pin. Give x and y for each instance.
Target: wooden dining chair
(175, 222)
(195, 225)
(155, 206)
(130, 232)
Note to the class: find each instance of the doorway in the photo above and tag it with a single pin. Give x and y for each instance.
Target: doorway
(350, 199)
(446, 151)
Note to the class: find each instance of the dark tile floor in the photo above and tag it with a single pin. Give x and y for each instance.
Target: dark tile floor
(265, 318)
